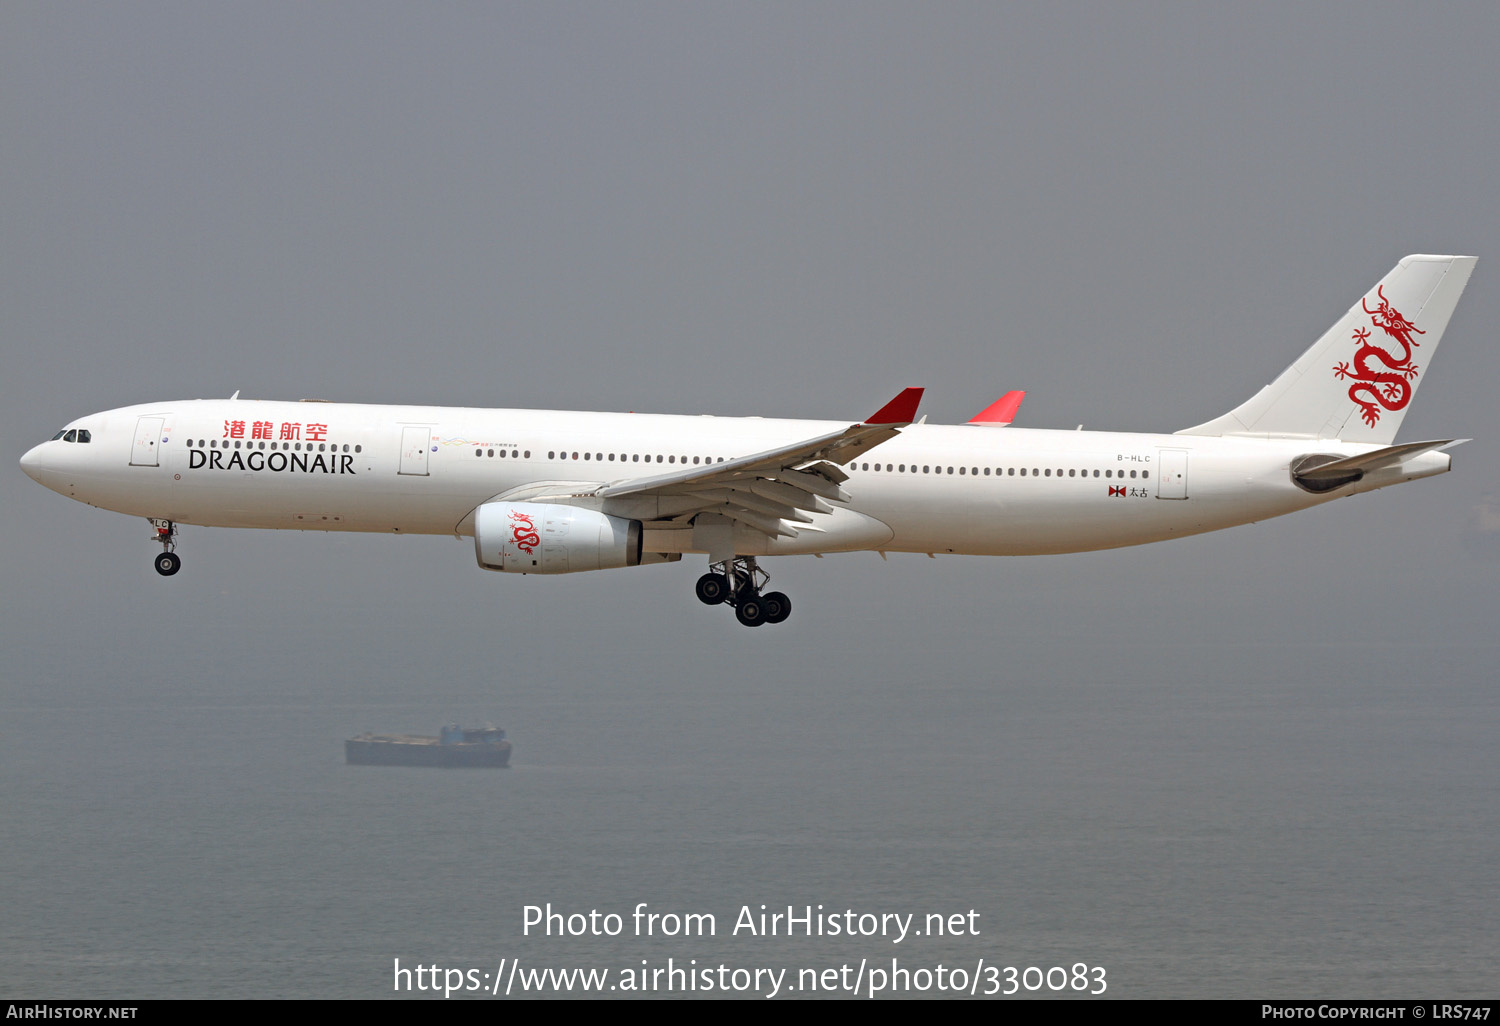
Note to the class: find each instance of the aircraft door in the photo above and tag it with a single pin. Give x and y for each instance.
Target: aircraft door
(143, 450)
(414, 448)
(1171, 473)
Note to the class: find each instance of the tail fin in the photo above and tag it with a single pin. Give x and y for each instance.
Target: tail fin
(1356, 382)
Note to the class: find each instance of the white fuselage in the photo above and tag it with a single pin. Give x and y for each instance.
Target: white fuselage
(424, 470)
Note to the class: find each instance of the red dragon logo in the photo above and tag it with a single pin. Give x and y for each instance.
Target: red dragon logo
(524, 533)
(1390, 388)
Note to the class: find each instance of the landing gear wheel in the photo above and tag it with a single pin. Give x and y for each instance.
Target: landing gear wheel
(168, 562)
(778, 606)
(751, 611)
(713, 589)
(740, 583)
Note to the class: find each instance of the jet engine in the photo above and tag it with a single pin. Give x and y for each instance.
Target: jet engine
(551, 538)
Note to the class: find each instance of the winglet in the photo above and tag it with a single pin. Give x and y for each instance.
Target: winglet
(1002, 411)
(900, 410)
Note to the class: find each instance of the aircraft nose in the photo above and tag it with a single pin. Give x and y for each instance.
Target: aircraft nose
(40, 466)
(32, 463)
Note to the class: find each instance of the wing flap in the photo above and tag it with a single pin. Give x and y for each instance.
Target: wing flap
(752, 502)
(766, 489)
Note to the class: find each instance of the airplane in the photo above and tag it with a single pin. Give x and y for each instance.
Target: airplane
(549, 492)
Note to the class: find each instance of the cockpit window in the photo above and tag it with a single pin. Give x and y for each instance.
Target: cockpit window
(73, 435)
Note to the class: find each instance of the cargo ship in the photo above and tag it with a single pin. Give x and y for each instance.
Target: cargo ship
(454, 747)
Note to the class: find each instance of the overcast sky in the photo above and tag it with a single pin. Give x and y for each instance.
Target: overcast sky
(1139, 213)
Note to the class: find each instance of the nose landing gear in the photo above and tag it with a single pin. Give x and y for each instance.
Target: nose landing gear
(168, 563)
(739, 581)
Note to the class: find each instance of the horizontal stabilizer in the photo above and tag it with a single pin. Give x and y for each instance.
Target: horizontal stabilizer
(1390, 456)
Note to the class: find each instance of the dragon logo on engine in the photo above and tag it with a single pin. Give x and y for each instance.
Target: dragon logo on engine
(524, 533)
(1389, 387)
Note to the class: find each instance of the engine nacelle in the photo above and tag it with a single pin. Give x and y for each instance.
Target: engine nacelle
(550, 538)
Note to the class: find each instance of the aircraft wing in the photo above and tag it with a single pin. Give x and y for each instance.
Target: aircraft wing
(766, 489)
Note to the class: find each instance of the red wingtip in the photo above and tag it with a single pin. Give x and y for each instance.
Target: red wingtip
(900, 410)
(1002, 410)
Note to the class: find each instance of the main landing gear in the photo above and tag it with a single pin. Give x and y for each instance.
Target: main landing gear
(168, 563)
(739, 581)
